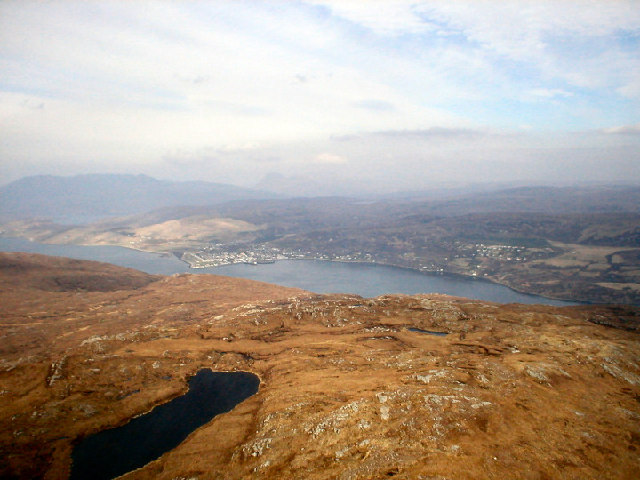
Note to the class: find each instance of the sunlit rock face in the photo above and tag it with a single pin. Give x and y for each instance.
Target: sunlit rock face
(349, 388)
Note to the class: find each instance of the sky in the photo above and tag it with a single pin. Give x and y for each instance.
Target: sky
(353, 95)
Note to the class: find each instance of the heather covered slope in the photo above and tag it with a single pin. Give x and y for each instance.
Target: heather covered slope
(347, 390)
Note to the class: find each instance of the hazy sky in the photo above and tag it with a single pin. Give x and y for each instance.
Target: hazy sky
(384, 94)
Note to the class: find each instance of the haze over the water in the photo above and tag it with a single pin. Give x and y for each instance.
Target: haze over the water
(356, 95)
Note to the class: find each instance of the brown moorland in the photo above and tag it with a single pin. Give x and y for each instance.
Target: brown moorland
(347, 389)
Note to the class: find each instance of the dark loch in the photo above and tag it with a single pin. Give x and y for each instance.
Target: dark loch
(428, 332)
(114, 452)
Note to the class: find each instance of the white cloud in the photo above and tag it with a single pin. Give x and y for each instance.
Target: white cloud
(168, 85)
(329, 158)
(623, 130)
(181, 74)
(518, 26)
(550, 92)
(382, 16)
(546, 35)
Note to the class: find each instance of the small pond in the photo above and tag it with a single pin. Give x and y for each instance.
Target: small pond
(114, 452)
(428, 332)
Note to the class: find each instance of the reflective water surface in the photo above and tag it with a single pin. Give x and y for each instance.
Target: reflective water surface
(111, 453)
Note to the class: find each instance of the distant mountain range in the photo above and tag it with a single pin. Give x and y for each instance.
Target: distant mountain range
(545, 199)
(87, 198)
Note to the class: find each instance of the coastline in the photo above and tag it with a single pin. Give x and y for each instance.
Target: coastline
(461, 276)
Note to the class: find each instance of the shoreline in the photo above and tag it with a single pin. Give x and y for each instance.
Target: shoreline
(382, 264)
(461, 276)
